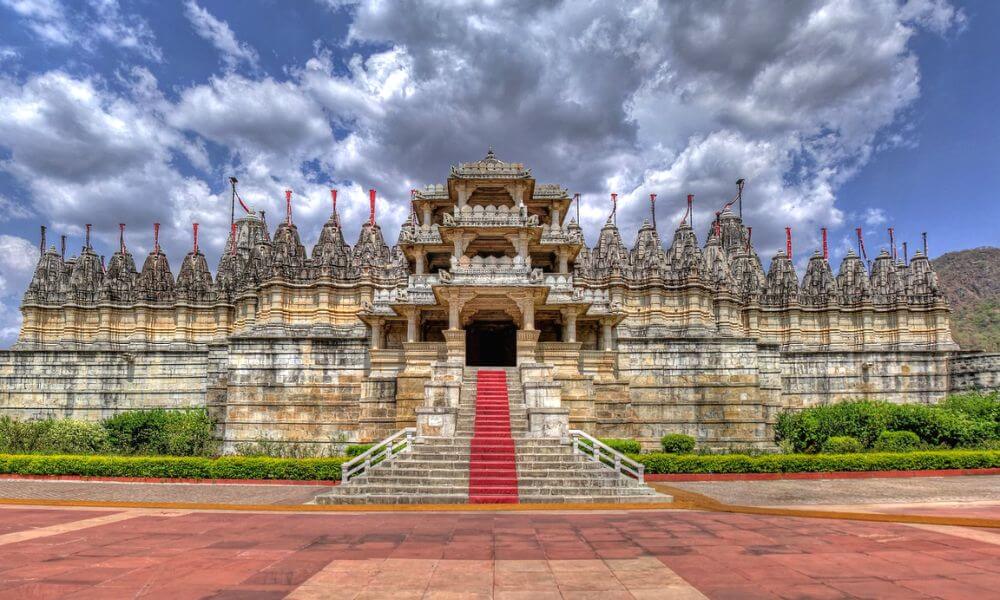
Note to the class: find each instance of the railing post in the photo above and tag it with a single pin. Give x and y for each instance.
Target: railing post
(642, 470)
(618, 465)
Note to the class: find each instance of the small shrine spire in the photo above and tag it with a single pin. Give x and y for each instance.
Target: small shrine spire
(194, 232)
(288, 207)
(371, 204)
(156, 238)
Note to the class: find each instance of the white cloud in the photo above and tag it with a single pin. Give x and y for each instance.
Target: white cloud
(18, 257)
(218, 33)
(85, 23)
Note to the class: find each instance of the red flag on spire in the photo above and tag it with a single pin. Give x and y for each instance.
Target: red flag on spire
(194, 228)
(288, 207)
(156, 238)
(788, 242)
(371, 206)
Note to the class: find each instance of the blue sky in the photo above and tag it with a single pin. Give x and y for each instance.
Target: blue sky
(839, 114)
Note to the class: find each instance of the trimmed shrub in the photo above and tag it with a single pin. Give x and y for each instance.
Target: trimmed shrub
(807, 429)
(897, 441)
(189, 433)
(622, 445)
(174, 467)
(842, 444)
(357, 449)
(819, 463)
(677, 443)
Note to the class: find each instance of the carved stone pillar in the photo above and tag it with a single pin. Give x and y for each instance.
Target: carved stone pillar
(419, 267)
(376, 339)
(527, 343)
(569, 325)
(454, 340)
(607, 341)
(563, 261)
(412, 323)
(427, 214)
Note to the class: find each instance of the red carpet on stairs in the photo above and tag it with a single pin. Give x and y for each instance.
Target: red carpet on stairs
(492, 463)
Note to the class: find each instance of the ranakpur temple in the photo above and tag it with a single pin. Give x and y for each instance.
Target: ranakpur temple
(345, 343)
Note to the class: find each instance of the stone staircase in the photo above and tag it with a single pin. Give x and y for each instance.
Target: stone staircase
(437, 470)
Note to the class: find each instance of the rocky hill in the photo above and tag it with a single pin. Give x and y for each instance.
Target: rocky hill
(971, 281)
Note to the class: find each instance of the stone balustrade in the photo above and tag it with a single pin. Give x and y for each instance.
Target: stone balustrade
(491, 216)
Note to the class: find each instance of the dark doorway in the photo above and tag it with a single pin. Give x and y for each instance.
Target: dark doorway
(491, 344)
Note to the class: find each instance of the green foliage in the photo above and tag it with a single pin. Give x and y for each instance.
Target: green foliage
(157, 431)
(357, 449)
(173, 467)
(819, 463)
(960, 421)
(66, 436)
(842, 444)
(622, 445)
(897, 441)
(266, 447)
(677, 443)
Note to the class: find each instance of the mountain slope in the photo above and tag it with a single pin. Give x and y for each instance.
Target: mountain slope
(970, 280)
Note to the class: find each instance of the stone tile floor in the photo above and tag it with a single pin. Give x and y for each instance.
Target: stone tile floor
(793, 492)
(607, 554)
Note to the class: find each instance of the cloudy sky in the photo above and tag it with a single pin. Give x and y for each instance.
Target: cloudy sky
(839, 113)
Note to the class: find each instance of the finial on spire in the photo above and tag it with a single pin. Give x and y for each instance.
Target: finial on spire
(194, 231)
(87, 239)
(652, 208)
(371, 207)
(924, 237)
(576, 197)
(739, 194)
(826, 253)
(614, 208)
(689, 213)
(288, 207)
(906, 255)
(156, 238)
(42, 242)
(788, 242)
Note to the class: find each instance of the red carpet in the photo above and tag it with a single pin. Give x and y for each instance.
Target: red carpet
(492, 464)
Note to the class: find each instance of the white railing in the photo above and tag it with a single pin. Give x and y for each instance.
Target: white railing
(384, 451)
(601, 453)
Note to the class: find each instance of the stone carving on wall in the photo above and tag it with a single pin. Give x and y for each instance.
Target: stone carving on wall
(684, 259)
(819, 288)
(852, 281)
(86, 278)
(156, 282)
(194, 282)
(647, 256)
(922, 287)
(782, 285)
(288, 255)
(48, 280)
(609, 258)
(717, 273)
(886, 283)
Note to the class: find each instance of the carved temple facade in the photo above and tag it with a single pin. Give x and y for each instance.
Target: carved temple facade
(352, 343)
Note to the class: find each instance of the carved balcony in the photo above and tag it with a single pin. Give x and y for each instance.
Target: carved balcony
(490, 216)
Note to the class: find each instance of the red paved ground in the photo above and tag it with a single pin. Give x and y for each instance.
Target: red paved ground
(249, 555)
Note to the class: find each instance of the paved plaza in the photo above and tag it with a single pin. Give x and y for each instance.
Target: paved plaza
(73, 552)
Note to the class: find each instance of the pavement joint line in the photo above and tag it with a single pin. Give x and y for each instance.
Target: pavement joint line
(702, 502)
(71, 526)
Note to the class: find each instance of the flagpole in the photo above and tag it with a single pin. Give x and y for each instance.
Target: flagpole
(232, 203)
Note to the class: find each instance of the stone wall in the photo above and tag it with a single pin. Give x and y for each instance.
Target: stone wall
(974, 371)
(822, 377)
(722, 391)
(95, 384)
(301, 390)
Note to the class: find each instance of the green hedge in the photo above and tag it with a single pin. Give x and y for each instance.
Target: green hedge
(624, 446)
(818, 463)
(173, 467)
(842, 444)
(677, 443)
(970, 420)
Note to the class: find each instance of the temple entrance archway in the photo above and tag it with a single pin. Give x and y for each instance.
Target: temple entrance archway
(491, 344)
